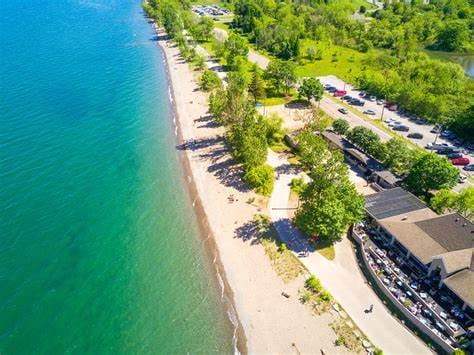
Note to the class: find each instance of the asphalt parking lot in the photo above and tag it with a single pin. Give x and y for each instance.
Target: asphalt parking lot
(414, 127)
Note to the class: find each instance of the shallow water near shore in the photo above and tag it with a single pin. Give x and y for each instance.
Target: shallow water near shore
(100, 249)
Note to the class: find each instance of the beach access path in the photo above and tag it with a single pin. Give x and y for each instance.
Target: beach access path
(271, 323)
(341, 276)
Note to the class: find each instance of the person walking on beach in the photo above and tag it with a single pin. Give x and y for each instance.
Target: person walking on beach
(371, 308)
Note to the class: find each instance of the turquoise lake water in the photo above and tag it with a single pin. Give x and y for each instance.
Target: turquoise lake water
(100, 250)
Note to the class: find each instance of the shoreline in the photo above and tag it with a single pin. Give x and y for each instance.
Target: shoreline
(206, 232)
(265, 320)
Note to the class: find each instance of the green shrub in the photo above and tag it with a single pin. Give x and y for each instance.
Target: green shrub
(297, 185)
(339, 341)
(283, 247)
(313, 284)
(325, 296)
(209, 80)
(261, 179)
(341, 126)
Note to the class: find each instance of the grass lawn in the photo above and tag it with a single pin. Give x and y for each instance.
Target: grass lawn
(343, 62)
(326, 249)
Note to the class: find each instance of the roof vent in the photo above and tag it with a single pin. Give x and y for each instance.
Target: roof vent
(457, 219)
(464, 224)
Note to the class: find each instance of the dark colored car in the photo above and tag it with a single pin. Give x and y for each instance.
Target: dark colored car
(447, 150)
(415, 135)
(454, 155)
(469, 167)
(343, 110)
(401, 128)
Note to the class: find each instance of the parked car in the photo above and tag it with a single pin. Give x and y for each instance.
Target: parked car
(347, 97)
(462, 179)
(436, 129)
(372, 98)
(432, 146)
(393, 107)
(380, 101)
(460, 161)
(415, 135)
(369, 112)
(340, 93)
(331, 89)
(362, 94)
(343, 110)
(401, 128)
(469, 167)
(454, 155)
(447, 150)
(446, 134)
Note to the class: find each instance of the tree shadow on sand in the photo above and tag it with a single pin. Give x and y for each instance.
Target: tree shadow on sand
(249, 232)
(292, 237)
(223, 167)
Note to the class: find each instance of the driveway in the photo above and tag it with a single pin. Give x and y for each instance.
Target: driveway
(340, 277)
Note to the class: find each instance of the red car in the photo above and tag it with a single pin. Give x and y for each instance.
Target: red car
(340, 93)
(460, 161)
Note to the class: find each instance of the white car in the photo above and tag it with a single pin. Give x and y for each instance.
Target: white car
(369, 112)
(372, 98)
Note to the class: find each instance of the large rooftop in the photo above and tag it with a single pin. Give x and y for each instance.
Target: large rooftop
(392, 202)
(461, 283)
(452, 231)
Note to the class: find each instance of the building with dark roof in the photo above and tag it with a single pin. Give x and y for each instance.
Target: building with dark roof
(392, 202)
(372, 168)
(432, 244)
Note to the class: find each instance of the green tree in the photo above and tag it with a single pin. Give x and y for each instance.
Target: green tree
(209, 80)
(257, 84)
(398, 156)
(311, 88)
(312, 149)
(340, 126)
(202, 30)
(454, 36)
(281, 75)
(273, 125)
(448, 201)
(431, 172)
(443, 201)
(217, 104)
(235, 46)
(200, 62)
(261, 179)
(248, 142)
(328, 212)
(364, 138)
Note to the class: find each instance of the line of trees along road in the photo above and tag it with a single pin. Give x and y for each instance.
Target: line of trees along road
(433, 89)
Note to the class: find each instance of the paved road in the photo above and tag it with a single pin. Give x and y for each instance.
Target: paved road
(332, 107)
(341, 277)
(253, 56)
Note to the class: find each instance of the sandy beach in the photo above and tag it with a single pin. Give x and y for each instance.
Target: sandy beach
(267, 321)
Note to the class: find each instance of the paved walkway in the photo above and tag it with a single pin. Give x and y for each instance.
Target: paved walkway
(340, 277)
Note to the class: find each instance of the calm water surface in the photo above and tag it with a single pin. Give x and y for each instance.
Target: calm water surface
(99, 249)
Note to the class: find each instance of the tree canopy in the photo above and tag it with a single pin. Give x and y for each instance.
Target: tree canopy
(431, 172)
